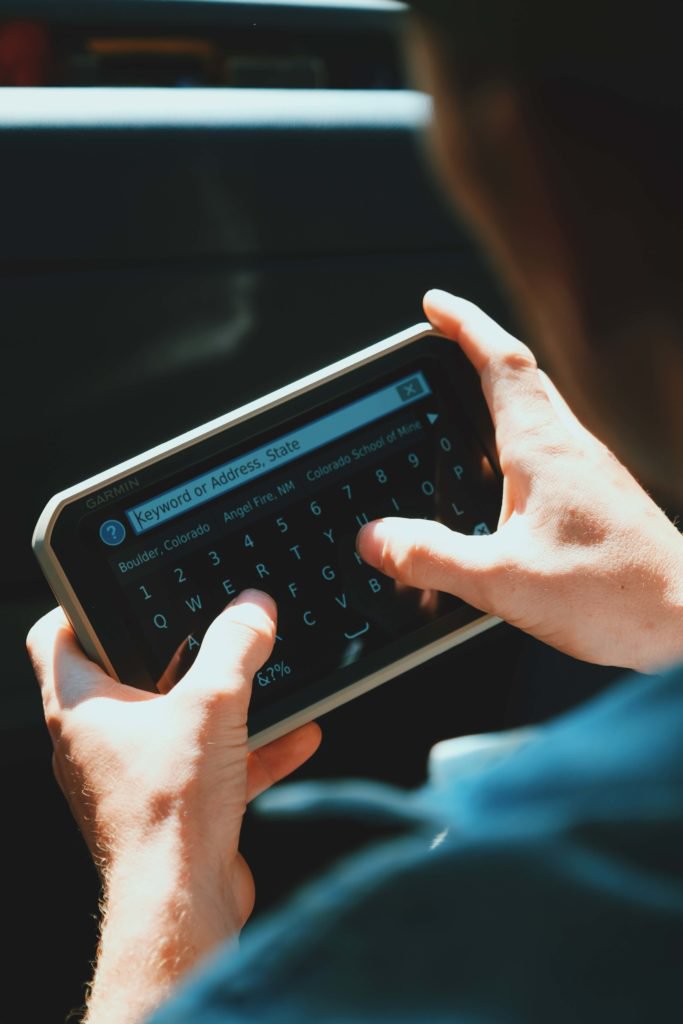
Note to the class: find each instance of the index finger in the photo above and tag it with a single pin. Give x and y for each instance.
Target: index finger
(510, 378)
(65, 674)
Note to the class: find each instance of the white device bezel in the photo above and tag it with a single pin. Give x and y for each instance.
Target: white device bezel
(77, 616)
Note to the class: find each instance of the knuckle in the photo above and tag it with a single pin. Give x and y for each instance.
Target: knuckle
(221, 710)
(399, 561)
(500, 570)
(54, 723)
(519, 359)
(536, 450)
(54, 717)
(495, 577)
(252, 637)
(223, 670)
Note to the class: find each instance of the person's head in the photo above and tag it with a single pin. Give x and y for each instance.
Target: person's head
(556, 129)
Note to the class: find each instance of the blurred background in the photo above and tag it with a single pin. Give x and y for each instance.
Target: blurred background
(201, 200)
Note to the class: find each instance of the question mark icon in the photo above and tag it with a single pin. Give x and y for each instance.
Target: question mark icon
(112, 533)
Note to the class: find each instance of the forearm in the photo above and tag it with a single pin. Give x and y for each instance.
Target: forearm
(158, 922)
(656, 639)
(159, 786)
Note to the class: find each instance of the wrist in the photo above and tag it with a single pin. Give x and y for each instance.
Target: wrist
(162, 914)
(661, 638)
(665, 647)
(171, 884)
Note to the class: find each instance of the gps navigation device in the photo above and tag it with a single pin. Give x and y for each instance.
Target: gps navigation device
(142, 557)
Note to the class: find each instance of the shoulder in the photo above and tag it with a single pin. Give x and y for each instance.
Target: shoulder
(546, 894)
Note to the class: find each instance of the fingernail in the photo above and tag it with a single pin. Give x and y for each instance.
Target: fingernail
(370, 541)
(252, 596)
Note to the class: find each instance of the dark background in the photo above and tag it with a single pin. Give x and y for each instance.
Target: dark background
(173, 244)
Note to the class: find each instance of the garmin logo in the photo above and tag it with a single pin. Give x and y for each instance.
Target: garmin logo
(111, 493)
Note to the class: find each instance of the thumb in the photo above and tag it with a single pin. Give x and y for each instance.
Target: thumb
(236, 645)
(429, 556)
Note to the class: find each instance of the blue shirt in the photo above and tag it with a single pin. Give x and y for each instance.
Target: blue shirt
(545, 887)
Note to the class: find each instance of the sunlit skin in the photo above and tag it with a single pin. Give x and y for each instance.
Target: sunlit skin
(582, 559)
(159, 785)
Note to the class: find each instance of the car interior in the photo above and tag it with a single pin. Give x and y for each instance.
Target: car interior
(201, 201)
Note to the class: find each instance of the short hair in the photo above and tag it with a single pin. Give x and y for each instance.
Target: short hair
(602, 85)
(601, 88)
(631, 51)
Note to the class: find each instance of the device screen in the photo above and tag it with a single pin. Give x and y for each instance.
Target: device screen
(280, 511)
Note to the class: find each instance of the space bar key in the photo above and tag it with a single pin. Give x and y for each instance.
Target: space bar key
(359, 632)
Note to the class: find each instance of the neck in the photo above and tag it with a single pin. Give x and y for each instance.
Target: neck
(622, 370)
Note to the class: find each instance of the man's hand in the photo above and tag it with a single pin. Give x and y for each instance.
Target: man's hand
(582, 559)
(159, 786)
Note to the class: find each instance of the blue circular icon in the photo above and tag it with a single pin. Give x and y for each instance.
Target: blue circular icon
(112, 532)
